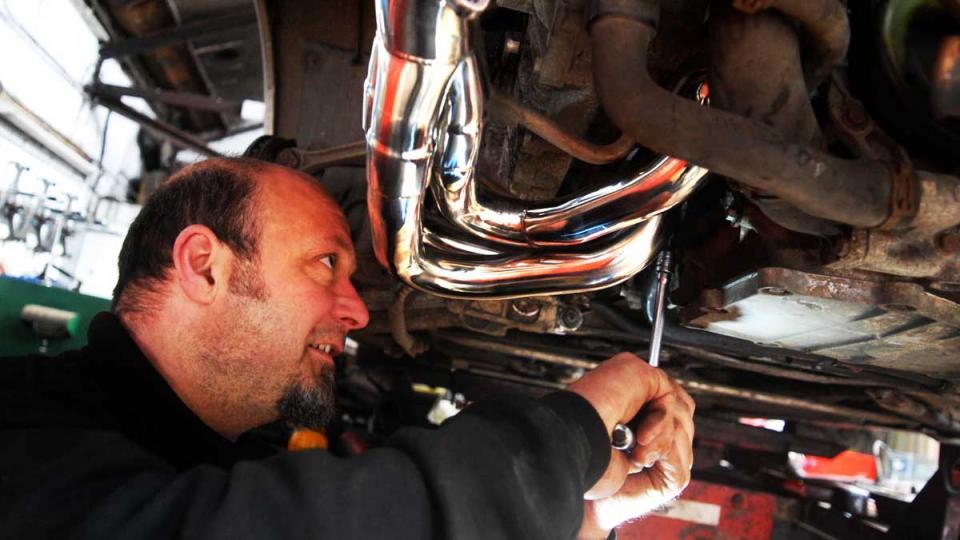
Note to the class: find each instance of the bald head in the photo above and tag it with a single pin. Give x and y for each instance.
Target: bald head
(219, 193)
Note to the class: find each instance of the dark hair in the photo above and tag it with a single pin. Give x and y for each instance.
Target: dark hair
(218, 193)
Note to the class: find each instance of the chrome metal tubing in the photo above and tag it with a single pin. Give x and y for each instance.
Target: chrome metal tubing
(403, 97)
(427, 29)
(567, 221)
(517, 274)
(423, 120)
(572, 220)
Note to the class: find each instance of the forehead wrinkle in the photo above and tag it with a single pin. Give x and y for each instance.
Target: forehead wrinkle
(287, 191)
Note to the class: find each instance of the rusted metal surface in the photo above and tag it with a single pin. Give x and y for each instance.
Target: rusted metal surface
(856, 128)
(896, 254)
(826, 25)
(909, 407)
(776, 371)
(170, 67)
(546, 315)
(527, 353)
(231, 63)
(158, 129)
(549, 131)
(939, 205)
(781, 402)
(850, 191)
(555, 79)
(946, 77)
(422, 312)
(496, 317)
(319, 70)
(314, 161)
(904, 197)
(410, 344)
(177, 35)
(739, 47)
(180, 99)
(890, 324)
(923, 204)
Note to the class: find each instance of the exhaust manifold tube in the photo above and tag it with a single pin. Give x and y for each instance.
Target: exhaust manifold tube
(563, 222)
(423, 119)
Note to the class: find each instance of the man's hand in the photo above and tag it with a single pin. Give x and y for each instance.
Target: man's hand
(658, 468)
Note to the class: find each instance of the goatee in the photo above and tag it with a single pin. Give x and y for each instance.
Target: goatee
(309, 407)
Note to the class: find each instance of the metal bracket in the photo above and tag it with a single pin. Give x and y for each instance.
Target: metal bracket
(904, 199)
(220, 24)
(179, 99)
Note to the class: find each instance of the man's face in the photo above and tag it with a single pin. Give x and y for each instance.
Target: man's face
(286, 316)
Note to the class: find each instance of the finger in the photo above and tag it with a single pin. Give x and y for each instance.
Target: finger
(689, 401)
(667, 477)
(665, 480)
(656, 415)
(612, 479)
(644, 457)
(654, 419)
(687, 407)
(684, 424)
(640, 494)
(676, 469)
(684, 448)
(654, 433)
(677, 441)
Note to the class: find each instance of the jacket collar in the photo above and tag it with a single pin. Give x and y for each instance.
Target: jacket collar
(147, 408)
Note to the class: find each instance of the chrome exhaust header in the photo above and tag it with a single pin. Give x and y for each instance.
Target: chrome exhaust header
(423, 120)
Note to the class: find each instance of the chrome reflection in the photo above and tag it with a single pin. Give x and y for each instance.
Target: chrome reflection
(518, 274)
(570, 220)
(423, 120)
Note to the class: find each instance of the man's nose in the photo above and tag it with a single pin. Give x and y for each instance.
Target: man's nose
(351, 311)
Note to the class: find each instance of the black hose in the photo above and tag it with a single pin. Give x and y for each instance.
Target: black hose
(855, 192)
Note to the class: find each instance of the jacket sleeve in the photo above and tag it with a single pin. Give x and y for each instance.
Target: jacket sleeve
(508, 468)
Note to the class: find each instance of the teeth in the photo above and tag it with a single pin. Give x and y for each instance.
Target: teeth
(323, 348)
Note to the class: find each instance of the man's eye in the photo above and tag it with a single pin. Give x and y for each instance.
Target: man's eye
(328, 261)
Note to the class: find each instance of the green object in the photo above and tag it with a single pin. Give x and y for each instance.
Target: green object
(19, 338)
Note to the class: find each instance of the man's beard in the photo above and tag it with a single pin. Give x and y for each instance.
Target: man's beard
(300, 405)
(309, 407)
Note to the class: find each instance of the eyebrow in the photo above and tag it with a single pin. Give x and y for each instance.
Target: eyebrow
(342, 244)
(344, 247)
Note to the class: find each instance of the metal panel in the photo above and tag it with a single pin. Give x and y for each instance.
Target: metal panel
(890, 324)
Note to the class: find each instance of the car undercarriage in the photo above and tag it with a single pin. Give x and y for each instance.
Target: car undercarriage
(511, 171)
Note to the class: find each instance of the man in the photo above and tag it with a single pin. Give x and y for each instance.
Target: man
(234, 294)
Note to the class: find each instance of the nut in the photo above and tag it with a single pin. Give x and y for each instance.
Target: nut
(569, 319)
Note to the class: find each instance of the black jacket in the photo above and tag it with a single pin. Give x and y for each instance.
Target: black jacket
(95, 444)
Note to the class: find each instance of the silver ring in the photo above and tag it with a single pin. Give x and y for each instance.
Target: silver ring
(622, 438)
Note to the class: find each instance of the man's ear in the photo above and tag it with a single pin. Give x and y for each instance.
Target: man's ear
(201, 263)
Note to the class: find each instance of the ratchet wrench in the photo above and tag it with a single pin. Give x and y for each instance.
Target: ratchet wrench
(622, 437)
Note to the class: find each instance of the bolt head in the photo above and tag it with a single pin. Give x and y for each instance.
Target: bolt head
(570, 318)
(949, 242)
(527, 310)
(774, 291)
